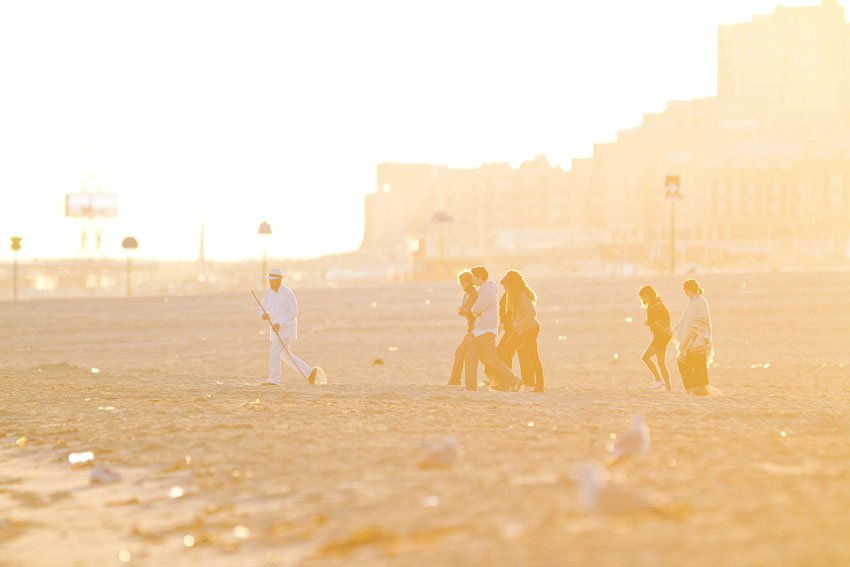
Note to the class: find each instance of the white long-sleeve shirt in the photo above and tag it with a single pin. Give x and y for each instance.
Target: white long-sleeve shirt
(283, 310)
(486, 309)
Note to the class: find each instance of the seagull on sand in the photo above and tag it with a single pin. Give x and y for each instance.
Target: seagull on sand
(597, 495)
(439, 456)
(634, 442)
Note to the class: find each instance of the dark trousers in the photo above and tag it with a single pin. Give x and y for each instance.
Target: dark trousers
(483, 348)
(527, 342)
(460, 359)
(694, 370)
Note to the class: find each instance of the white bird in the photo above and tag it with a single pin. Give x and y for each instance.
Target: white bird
(439, 456)
(634, 442)
(597, 495)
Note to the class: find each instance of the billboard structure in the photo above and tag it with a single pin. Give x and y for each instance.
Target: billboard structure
(91, 205)
(91, 208)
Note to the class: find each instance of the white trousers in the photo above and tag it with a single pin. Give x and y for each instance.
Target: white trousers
(277, 354)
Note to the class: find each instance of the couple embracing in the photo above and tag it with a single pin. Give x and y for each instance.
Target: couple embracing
(516, 314)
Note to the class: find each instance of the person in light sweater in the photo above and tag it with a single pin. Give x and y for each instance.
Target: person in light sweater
(281, 310)
(483, 346)
(694, 341)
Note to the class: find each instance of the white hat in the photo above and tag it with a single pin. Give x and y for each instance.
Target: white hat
(275, 274)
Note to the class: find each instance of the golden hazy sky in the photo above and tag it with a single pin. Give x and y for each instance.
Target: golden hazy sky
(281, 110)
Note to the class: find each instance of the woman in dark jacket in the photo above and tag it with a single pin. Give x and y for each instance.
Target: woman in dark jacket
(521, 304)
(658, 321)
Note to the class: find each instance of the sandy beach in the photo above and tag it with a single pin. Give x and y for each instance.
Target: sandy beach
(219, 469)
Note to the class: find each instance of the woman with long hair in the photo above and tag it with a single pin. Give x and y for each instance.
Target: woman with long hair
(521, 304)
(658, 321)
(694, 340)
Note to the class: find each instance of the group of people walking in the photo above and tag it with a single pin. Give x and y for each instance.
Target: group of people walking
(692, 335)
(515, 315)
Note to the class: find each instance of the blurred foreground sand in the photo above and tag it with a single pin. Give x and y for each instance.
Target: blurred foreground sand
(327, 475)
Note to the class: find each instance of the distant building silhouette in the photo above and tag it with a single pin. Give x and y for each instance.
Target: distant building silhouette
(765, 169)
(494, 207)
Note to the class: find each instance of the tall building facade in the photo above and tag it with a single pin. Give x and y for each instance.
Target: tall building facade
(764, 164)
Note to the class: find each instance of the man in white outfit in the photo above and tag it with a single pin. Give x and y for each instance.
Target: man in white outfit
(282, 311)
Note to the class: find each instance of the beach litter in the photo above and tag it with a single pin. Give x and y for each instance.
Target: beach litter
(81, 458)
(430, 501)
(102, 475)
(615, 359)
(241, 532)
(441, 455)
(22, 441)
(597, 495)
(378, 362)
(176, 492)
(95, 370)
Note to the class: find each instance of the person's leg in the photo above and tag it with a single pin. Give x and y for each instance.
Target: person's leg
(274, 362)
(532, 354)
(486, 347)
(299, 366)
(471, 371)
(460, 360)
(519, 344)
(647, 359)
(661, 357)
(503, 349)
(511, 343)
(526, 365)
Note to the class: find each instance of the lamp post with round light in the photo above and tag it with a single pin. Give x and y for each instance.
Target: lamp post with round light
(673, 193)
(129, 244)
(265, 231)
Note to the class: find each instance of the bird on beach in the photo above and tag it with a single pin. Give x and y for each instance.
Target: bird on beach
(439, 455)
(597, 495)
(634, 442)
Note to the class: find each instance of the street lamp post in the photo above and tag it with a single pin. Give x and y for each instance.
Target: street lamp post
(129, 244)
(264, 231)
(673, 193)
(16, 246)
(441, 219)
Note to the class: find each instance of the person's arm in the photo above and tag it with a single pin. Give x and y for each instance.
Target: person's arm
(486, 298)
(468, 299)
(653, 320)
(526, 313)
(262, 311)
